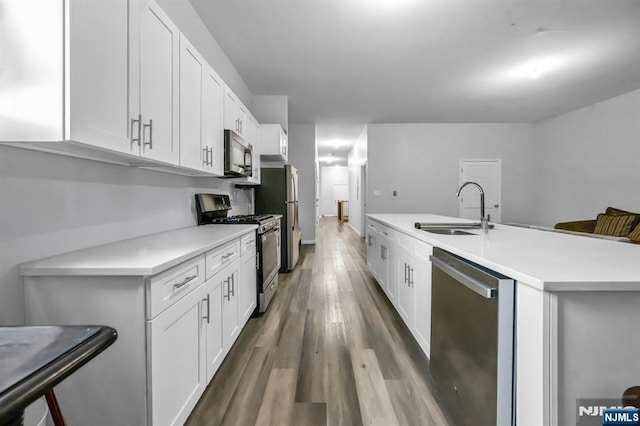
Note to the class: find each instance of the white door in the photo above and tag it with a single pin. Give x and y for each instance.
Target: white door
(487, 174)
(340, 192)
(159, 48)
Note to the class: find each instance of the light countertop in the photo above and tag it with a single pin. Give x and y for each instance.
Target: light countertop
(142, 256)
(545, 260)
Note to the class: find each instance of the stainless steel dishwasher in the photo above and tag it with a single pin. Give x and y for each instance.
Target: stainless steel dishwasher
(472, 341)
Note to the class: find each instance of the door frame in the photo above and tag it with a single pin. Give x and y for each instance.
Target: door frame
(498, 162)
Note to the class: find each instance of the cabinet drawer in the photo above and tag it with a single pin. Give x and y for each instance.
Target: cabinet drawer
(247, 242)
(170, 286)
(404, 242)
(220, 257)
(383, 230)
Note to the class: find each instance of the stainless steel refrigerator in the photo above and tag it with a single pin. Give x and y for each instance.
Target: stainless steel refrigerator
(278, 194)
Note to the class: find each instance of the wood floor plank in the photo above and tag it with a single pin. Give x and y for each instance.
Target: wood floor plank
(277, 406)
(248, 395)
(341, 393)
(301, 362)
(310, 384)
(375, 403)
(309, 414)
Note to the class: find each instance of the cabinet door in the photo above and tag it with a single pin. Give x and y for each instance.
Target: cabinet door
(99, 73)
(191, 78)
(231, 120)
(249, 291)
(213, 326)
(404, 302)
(422, 290)
(230, 306)
(212, 119)
(386, 274)
(158, 84)
(284, 145)
(373, 250)
(177, 359)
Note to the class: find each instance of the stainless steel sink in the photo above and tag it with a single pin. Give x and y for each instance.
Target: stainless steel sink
(447, 231)
(450, 225)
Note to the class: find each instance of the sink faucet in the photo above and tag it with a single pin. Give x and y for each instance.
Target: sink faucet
(484, 221)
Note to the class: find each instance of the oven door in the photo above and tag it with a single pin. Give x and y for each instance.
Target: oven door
(269, 252)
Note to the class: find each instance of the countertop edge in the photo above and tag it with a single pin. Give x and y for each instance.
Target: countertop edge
(533, 282)
(31, 269)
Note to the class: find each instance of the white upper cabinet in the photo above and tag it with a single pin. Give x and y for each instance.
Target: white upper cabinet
(235, 114)
(274, 143)
(201, 97)
(154, 77)
(41, 103)
(212, 120)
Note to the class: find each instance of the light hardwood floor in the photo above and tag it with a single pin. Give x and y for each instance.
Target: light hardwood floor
(330, 350)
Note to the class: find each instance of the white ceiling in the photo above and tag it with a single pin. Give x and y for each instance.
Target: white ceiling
(347, 62)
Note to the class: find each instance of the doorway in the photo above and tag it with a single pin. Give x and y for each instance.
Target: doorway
(488, 174)
(334, 182)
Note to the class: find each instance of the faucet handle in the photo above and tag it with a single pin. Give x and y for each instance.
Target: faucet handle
(488, 217)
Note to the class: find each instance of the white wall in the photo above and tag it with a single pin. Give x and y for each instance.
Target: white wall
(185, 17)
(330, 176)
(272, 110)
(421, 162)
(589, 159)
(357, 158)
(53, 204)
(302, 140)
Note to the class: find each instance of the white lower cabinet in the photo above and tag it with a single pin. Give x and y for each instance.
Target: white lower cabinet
(229, 280)
(212, 320)
(400, 263)
(406, 297)
(249, 291)
(176, 342)
(174, 330)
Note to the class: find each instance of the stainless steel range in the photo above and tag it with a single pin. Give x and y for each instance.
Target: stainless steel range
(213, 209)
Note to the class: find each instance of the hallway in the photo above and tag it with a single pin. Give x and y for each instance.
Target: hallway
(329, 350)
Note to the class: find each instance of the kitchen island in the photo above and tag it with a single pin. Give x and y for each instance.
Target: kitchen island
(576, 305)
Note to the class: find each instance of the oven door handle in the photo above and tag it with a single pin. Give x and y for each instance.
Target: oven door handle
(471, 283)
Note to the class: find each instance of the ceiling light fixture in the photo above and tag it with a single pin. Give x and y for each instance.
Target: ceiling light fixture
(537, 68)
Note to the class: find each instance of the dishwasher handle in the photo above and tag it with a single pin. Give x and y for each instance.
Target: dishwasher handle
(471, 283)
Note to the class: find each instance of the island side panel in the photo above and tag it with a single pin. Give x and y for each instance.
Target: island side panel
(598, 351)
(531, 355)
(111, 388)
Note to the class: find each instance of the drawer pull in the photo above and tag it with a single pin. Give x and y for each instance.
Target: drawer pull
(185, 282)
(227, 256)
(232, 278)
(385, 233)
(248, 243)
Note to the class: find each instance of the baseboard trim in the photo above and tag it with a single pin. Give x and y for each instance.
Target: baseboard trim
(354, 228)
(308, 241)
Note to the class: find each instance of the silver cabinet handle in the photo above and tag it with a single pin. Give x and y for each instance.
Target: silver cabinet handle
(370, 244)
(208, 300)
(228, 295)
(138, 121)
(227, 256)
(186, 281)
(385, 233)
(211, 156)
(405, 273)
(257, 260)
(410, 277)
(383, 252)
(249, 243)
(144, 128)
(205, 151)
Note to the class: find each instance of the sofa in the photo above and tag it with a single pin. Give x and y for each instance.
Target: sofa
(614, 223)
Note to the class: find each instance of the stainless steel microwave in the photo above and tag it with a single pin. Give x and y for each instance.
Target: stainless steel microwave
(237, 155)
